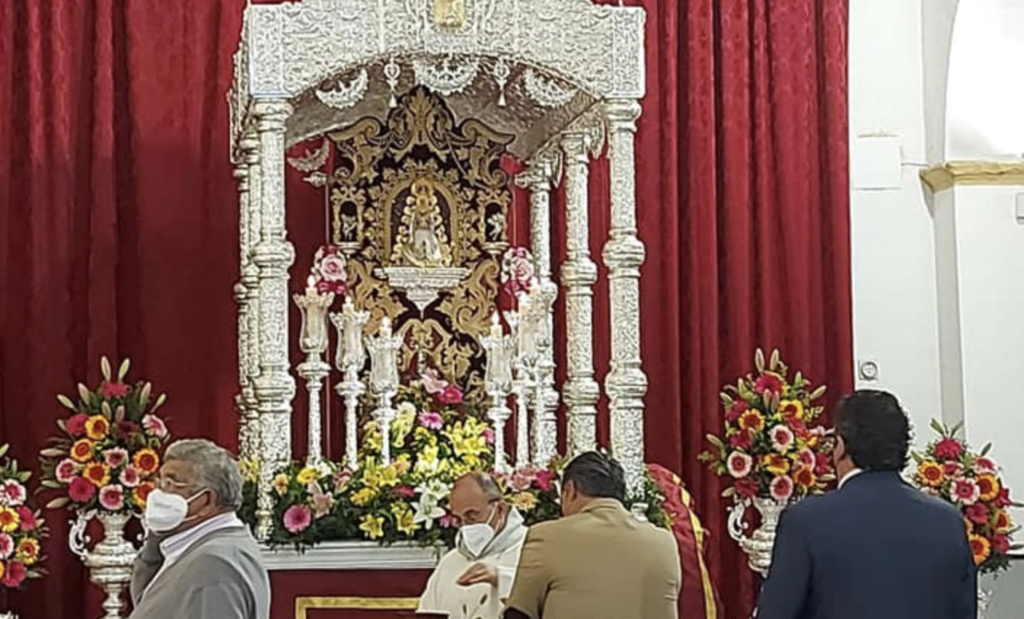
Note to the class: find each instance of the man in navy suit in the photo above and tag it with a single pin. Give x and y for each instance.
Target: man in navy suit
(876, 548)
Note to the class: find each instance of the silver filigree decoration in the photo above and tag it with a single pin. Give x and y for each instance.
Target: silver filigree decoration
(345, 95)
(546, 92)
(312, 162)
(452, 75)
(501, 72)
(391, 74)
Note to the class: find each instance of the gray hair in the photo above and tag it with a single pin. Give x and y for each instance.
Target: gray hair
(487, 485)
(213, 467)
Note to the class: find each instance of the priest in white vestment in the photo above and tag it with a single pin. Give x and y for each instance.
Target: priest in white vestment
(473, 579)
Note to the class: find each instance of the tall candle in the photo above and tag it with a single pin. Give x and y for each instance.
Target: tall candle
(496, 326)
(385, 327)
(311, 286)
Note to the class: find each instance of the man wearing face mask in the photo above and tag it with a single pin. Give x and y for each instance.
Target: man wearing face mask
(199, 560)
(474, 578)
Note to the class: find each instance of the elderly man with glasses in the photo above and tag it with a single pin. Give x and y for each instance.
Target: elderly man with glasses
(199, 560)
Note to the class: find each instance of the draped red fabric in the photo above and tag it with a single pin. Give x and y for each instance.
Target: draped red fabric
(118, 222)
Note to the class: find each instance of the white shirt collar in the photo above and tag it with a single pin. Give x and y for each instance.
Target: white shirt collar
(176, 545)
(849, 476)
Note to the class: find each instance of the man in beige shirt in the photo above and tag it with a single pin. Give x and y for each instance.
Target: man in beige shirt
(598, 561)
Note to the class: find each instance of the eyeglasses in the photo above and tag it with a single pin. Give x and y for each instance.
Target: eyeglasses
(166, 484)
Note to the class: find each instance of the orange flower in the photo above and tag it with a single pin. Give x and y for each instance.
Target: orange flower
(97, 473)
(988, 486)
(969, 525)
(146, 461)
(28, 551)
(752, 420)
(9, 520)
(791, 409)
(930, 473)
(3, 569)
(776, 464)
(141, 493)
(81, 451)
(1002, 521)
(980, 547)
(96, 427)
(804, 477)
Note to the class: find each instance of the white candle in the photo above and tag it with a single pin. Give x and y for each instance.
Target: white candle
(496, 326)
(311, 286)
(385, 327)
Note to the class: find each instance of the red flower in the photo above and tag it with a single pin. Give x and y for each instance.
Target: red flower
(76, 425)
(952, 469)
(81, 490)
(14, 575)
(735, 410)
(768, 382)
(406, 492)
(1000, 544)
(28, 519)
(821, 465)
(949, 449)
(1003, 498)
(450, 395)
(126, 429)
(114, 390)
(740, 441)
(746, 488)
(977, 513)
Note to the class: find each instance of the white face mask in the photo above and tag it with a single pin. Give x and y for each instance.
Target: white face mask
(166, 511)
(474, 538)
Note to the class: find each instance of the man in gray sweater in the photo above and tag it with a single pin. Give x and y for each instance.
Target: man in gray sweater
(199, 560)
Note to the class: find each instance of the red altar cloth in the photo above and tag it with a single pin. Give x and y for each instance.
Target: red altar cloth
(346, 593)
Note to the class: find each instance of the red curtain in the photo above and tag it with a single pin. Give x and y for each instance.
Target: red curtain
(118, 221)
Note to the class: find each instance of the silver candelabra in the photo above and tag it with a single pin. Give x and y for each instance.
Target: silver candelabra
(384, 381)
(313, 342)
(497, 381)
(349, 360)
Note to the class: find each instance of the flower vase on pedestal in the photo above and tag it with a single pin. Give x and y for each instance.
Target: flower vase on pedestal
(110, 561)
(758, 544)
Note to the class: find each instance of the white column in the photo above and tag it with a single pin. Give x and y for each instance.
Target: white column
(538, 179)
(274, 255)
(626, 384)
(579, 273)
(250, 280)
(245, 401)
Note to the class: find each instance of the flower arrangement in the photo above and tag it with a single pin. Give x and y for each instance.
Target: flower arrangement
(22, 528)
(328, 272)
(772, 447)
(517, 276)
(110, 447)
(433, 442)
(970, 480)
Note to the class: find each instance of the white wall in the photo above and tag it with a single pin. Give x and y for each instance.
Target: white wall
(894, 280)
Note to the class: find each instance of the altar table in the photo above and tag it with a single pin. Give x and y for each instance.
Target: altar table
(348, 580)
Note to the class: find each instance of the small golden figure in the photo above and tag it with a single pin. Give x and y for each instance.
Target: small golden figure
(450, 13)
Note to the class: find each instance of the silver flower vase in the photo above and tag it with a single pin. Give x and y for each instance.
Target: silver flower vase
(984, 599)
(757, 544)
(110, 561)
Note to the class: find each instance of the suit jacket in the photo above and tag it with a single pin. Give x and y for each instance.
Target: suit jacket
(877, 548)
(601, 563)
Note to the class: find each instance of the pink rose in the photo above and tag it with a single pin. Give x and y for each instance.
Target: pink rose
(332, 268)
(432, 382)
(782, 438)
(155, 425)
(115, 457)
(13, 492)
(781, 488)
(431, 421)
(76, 425)
(450, 395)
(112, 498)
(739, 464)
(965, 491)
(130, 476)
(546, 480)
(488, 435)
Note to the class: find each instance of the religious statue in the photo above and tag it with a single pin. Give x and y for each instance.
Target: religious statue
(450, 13)
(422, 240)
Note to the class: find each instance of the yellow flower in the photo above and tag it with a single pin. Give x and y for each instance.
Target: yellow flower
(363, 496)
(930, 473)
(97, 473)
(372, 525)
(81, 451)
(524, 501)
(981, 548)
(96, 427)
(988, 484)
(427, 458)
(406, 524)
(9, 520)
(280, 483)
(791, 409)
(28, 551)
(372, 477)
(389, 476)
(752, 420)
(775, 464)
(307, 475)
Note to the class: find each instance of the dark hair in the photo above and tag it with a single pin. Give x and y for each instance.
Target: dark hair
(596, 475)
(875, 430)
(487, 485)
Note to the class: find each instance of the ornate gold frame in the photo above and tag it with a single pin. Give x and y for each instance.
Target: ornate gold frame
(304, 604)
(943, 176)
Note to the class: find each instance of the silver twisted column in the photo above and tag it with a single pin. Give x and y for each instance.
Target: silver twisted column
(242, 298)
(274, 255)
(626, 383)
(250, 280)
(579, 273)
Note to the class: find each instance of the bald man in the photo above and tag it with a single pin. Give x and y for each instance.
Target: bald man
(475, 577)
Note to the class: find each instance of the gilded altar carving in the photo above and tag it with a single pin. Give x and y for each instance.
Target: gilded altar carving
(422, 190)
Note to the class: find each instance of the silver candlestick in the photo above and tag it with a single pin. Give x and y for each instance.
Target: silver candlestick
(384, 381)
(313, 342)
(497, 381)
(350, 357)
